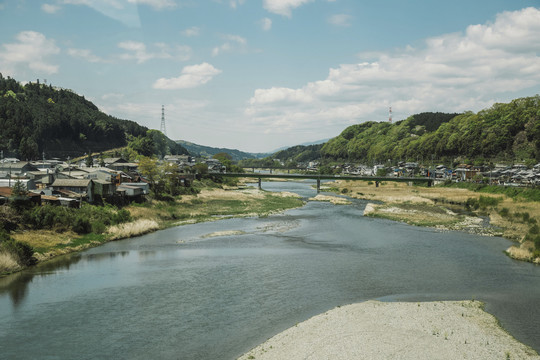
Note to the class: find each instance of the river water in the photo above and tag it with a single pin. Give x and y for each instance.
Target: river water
(180, 294)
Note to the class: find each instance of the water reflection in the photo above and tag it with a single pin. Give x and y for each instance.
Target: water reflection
(16, 285)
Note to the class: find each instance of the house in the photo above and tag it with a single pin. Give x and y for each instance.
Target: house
(104, 174)
(81, 187)
(215, 166)
(19, 168)
(134, 193)
(6, 195)
(28, 183)
(177, 159)
(120, 164)
(145, 187)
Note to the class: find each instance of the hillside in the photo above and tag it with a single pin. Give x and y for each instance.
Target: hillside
(208, 151)
(37, 118)
(508, 132)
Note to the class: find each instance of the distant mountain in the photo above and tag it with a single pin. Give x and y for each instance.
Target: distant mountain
(37, 118)
(317, 142)
(208, 151)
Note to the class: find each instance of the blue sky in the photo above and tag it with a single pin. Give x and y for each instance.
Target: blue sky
(256, 75)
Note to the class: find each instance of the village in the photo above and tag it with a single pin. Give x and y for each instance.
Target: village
(68, 183)
(506, 175)
(117, 180)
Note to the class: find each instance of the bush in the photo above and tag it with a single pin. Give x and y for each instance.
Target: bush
(485, 201)
(23, 253)
(504, 212)
(472, 203)
(81, 225)
(9, 218)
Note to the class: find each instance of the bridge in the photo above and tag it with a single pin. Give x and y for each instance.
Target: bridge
(319, 177)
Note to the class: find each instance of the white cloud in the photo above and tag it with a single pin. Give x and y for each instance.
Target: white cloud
(340, 20)
(137, 51)
(31, 50)
(452, 72)
(232, 42)
(190, 77)
(283, 7)
(85, 54)
(123, 11)
(156, 4)
(191, 32)
(234, 3)
(266, 24)
(50, 9)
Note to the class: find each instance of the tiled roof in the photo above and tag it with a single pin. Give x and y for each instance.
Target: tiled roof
(71, 182)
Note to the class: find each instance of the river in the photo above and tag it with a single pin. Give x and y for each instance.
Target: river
(181, 294)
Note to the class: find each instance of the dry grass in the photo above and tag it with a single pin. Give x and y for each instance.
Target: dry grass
(8, 263)
(402, 192)
(135, 228)
(41, 240)
(332, 199)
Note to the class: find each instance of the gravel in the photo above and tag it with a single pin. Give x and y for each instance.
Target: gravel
(381, 330)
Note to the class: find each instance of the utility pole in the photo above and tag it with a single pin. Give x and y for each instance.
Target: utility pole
(163, 129)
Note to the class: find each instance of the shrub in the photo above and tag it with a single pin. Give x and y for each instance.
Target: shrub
(81, 225)
(504, 212)
(98, 227)
(21, 252)
(472, 203)
(9, 218)
(534, 230)
(485, 201)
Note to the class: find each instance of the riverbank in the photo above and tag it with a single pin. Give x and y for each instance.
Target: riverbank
(451, 209)
(209, 205)
(379, 330)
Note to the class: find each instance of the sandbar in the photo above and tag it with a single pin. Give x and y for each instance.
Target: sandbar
(396, 330)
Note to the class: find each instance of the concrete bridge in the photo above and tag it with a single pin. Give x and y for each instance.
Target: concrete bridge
(319, 177)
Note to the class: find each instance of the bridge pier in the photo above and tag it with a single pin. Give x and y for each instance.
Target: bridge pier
(318, 186)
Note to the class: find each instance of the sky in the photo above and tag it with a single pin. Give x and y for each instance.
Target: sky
(257, 75)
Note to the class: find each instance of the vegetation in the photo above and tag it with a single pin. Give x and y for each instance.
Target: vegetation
(521, 193)
(14, 254)
(35, 118)
(504, 131)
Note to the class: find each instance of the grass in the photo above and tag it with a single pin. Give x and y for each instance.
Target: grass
(8, 263)
(131, 229)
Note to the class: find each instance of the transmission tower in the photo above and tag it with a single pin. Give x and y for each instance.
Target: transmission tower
(390, 115)
(163, 129)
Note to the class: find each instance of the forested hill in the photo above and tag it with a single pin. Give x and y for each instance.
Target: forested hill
(208, 151)
(503, 132)
(36, 118)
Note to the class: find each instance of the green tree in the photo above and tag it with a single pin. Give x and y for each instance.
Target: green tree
(89, 160)
(148, 167)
